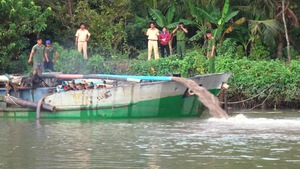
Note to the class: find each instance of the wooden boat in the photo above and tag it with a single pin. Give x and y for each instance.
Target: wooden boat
(114, 96)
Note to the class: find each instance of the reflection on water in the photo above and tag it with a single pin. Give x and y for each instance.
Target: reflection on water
(268, 140)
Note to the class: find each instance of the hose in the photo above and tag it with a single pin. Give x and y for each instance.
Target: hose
(39, 107)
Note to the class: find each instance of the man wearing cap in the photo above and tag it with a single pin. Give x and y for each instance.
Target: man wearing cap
(180, 31)
(39, 54)
(50, 53)
(82, 36)
(210, 51)
(152, 34)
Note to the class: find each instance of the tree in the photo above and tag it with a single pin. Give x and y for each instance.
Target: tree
(266, 16)
(267, 30)
(286, 32)
(290, 20)
(165, 20)
(60, 24)
(107, 21)
(18, 20)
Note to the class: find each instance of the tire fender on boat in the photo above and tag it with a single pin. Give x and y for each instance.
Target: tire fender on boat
(191, 92)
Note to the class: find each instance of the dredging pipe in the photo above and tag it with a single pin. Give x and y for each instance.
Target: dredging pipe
(27, 104)
(107, 76)
(4, 78)
(39, 107)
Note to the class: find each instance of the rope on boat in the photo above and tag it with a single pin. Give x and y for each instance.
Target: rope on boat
(13, 101)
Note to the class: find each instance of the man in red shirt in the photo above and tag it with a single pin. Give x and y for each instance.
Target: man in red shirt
(164, 38)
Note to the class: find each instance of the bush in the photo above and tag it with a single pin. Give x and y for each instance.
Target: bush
(252, 77)
(193, 63)
(228, 48)
(69, 61)
(20, 65)
(95, 64)
(259, 51)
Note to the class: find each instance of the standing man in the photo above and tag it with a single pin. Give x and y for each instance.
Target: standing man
(210, 52)
(82, 37)
(180, 32)
(50, 53)
(164, 38)
(39, 54)
(152, 34)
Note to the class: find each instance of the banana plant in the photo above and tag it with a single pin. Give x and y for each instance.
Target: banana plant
(164, 20)
(213, 17)
(161, 19)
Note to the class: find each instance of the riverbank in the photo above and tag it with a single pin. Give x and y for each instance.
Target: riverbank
(268, 83)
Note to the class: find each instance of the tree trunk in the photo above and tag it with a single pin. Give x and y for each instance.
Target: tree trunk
(279, 47)
(286, 32)
(154, 4)
(170, 45)
(70, 3)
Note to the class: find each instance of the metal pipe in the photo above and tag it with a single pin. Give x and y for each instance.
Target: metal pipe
(106, 76)
(61, 76)
(134, 80)
(65, 83)
(58, 90)
(39, 106)
(225, 87)
(13, 79)
(92, 84)
(27, 104)
(86, 81)
(67, 87)
(154, 78)
(77, 81)
(225, 100)
(3, 78)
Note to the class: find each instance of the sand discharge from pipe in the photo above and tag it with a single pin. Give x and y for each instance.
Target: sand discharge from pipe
(204, 96)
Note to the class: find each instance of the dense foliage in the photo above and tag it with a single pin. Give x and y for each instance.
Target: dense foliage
(251, 40)
(275, 83)
(18, 21)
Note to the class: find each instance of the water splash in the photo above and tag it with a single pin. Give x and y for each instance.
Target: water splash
(204, 96)
(243, 121)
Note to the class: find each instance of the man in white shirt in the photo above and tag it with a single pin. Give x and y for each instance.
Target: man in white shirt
(82, 37)
(152, 34)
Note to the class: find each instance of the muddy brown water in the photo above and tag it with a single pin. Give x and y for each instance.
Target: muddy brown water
(254, 140)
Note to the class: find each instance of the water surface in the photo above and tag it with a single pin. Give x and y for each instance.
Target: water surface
(259, 140)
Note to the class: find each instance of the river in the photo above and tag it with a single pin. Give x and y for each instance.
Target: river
(253, 140)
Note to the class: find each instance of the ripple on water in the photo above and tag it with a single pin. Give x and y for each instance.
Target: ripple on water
(144, 143)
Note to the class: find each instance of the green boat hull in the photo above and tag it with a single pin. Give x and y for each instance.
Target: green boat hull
(123, 100)
(175, 106)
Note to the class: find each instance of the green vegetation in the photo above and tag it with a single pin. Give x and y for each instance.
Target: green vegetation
(19, 20)
(252, 41)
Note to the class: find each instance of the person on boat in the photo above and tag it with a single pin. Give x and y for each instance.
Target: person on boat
(82, 36)
(152, 34)
(50, 53)
(38, 53)
(164, 38)
(180, 31)
(210, 51)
